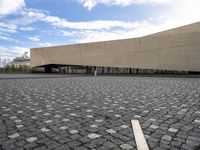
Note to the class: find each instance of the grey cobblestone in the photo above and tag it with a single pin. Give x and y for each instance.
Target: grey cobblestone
(95, 112)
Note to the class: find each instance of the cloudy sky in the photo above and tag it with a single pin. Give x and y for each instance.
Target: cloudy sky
(25, 24)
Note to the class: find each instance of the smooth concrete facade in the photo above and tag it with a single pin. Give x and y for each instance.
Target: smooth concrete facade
(176, 49)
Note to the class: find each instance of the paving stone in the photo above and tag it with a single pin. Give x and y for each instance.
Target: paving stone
(152, 119)
(182, 111)
(167, 138)
(57, 116)
(15, 135)
(17, 121)
(41, 148)
(80, 148)
(46, 114)
(124, 126)
(63, 128)
(45, 129)
(187, 147)
(93, 136)
(84, 140)
(99, 141)
(152, 139)
(75, 136)
(64, 140)
(73, 131)
(89, 116)
(173, 130)
(20, 143)
(192, 142)
(13, 117)
(126, 146)
(168, 116)
(111, 131)
(65, 120)
(30, 145)
(94, 126)
(194, 138)
(19, 126)
(34, 117)
(117, 115)
(176, 144)
(197, 121)
(100, 120)
(153, 126)
(89, 110)
(73, 144)
(62, 147)
(147, 136)
(48, 121)
(31, 139)
(109, 145)
(136, 116)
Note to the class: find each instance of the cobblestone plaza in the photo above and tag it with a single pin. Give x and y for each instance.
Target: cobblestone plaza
(95, 112)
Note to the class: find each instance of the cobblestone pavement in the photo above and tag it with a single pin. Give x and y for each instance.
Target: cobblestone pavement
(25, 76)
(95, 112)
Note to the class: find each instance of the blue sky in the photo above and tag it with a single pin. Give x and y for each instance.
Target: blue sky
(26, 24)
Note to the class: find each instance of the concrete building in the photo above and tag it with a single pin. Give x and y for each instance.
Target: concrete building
(174, 50)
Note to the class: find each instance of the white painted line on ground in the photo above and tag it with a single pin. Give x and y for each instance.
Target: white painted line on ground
(139, 136)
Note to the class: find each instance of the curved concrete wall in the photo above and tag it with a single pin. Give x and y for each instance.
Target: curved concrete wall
(176, 49)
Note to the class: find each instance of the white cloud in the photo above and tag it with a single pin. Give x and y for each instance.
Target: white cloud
(36, 15)
(45, 44)
(10, 6)
(145, 28)
(181, 12)
(13, 51)
(26, 28)
(34, 38)
(65, 33)
(6, 30)
(89, 4)
(4, 37)
(184, 12)
(11, 28)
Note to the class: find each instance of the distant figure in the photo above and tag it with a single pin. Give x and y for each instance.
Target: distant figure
(95, 72)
